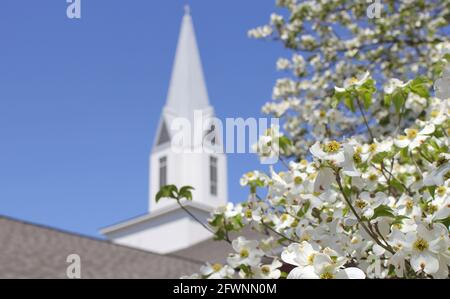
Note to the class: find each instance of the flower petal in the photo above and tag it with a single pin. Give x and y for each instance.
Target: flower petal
(425, 261)
(351, 273)
(303, 273)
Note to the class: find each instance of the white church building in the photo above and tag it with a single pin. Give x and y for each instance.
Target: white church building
(166, 227)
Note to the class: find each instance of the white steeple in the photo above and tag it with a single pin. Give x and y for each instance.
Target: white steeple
(188, 99)
(187, 91)
(166, 227)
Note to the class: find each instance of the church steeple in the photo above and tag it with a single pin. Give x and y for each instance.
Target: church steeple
(187, 90)
(166, 227)
(187, 98)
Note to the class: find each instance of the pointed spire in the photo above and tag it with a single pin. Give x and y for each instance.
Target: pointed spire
(187, 91)
(187, 10)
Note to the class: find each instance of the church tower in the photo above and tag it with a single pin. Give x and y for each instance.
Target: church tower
(195, 159)
(188, 99)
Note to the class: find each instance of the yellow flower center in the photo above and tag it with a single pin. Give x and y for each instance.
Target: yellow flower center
(305, 237)
(322, 114)
(326, 275)
(409, 204)
(248, 213)
(373, 177)
(434, 113)
(310, 259)
(397, 225)
(372, 147)
(431, 209)
(357, 158)
(411, 133)
(441, 191)
(217, 267)
(284, 217)
(361, 204)
(353, 80)
(332, 147)
(265, 270)
(298, 180)
(244, 253)
(420, 244)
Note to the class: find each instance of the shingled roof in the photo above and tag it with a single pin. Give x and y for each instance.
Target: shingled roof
(34, 251)
(29, 250)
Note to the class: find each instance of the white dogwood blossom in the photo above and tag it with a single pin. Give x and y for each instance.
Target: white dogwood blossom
(362, 184)
(247, 253)
(351, 210)
(312, 264)
(414, 138)
(336, 46)
(216, 271)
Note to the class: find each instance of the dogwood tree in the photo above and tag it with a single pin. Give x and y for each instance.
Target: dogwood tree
(335, 40)
(363, 189)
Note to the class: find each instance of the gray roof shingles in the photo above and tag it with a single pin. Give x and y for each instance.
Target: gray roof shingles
(33, 251)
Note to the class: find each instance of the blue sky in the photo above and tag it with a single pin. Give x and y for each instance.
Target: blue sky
(80, 99)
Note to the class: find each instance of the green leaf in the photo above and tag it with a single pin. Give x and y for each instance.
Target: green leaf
(420, 86)
(185, 192)
(432, 190)
(304, 209)
(391, 270)
(399, 98)
(345, 97)
(383, 211)
(387, 100)
(285, 143)
(399, 219)
(366, 91)
(347, 191)
(168, 191)
(404, 153)
(367, 99)
(220, 235)
(218, 220)
(397, 185)
(378, 158)
(350, 104)
(247, 269)
(445, 221)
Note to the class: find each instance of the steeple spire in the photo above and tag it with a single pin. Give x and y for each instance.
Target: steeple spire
(187, 9)
(187, 91)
